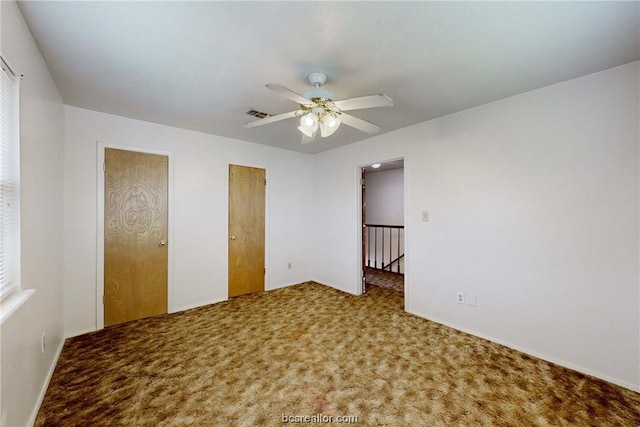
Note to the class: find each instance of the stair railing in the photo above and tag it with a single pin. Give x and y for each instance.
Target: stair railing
(385, 247)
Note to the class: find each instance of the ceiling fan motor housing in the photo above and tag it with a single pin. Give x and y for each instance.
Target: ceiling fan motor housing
(317, 79)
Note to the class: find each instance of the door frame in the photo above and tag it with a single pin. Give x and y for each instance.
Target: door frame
(101, 147)
(267, 191)
(358, 208)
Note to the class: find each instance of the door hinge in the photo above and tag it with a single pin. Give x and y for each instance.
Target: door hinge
(265, 271)
(104, 167)
(102, 299)
(265, 182)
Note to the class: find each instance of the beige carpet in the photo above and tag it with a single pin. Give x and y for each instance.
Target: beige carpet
(309, 350)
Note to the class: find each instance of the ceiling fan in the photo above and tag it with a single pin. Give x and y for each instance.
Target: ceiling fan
(319, 111)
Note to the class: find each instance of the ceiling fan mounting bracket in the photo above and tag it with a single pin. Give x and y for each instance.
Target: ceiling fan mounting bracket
(317, 78)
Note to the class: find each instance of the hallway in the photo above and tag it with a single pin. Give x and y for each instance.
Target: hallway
(384, 279)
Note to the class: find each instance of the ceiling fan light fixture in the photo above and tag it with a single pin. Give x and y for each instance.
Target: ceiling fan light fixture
(318, 109)
(328, 125)
(308, 124)
(308, 120)
(307, 132)
(331, 121)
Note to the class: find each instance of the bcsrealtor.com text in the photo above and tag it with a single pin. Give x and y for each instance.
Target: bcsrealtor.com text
(319, 419)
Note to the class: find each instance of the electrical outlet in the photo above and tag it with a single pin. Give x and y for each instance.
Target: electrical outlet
(289, 266)
(472, 301)
(43, 343)
(460, 297)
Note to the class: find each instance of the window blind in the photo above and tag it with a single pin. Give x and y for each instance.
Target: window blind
(9, 180)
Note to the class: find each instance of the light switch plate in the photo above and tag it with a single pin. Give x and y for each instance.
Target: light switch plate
(472, 301)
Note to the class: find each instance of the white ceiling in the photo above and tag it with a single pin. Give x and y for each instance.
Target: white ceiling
(202, 65)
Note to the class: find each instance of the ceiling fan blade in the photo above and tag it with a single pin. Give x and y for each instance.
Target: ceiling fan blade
(288, 93)
(271, 119)
(370, 101)
(359, 124)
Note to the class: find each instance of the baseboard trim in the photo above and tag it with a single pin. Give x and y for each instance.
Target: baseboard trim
(78, 333)
(337, 288)
(45, 386)
(284, 285)
(536, 354)
(177, 310)
(192, 306)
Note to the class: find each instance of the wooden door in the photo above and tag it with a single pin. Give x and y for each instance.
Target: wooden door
(246, 229)
(135, 235)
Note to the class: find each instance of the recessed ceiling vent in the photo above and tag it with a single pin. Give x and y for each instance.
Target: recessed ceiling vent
(258, 114)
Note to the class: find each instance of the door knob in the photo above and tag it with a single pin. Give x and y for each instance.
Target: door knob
(233, 237)
(162, 243)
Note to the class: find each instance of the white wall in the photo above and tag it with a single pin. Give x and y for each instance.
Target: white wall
(385, 197)
(534, 208)
(200, 209)
(24, 370)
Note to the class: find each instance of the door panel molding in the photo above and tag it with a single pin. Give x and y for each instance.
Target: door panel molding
(100, 157)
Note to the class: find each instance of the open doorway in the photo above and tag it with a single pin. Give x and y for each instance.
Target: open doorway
(383, 254)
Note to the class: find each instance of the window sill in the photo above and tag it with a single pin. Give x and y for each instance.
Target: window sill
(12, 302)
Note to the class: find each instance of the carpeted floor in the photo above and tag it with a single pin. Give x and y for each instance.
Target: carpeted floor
(310, 350)
(384, 279)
